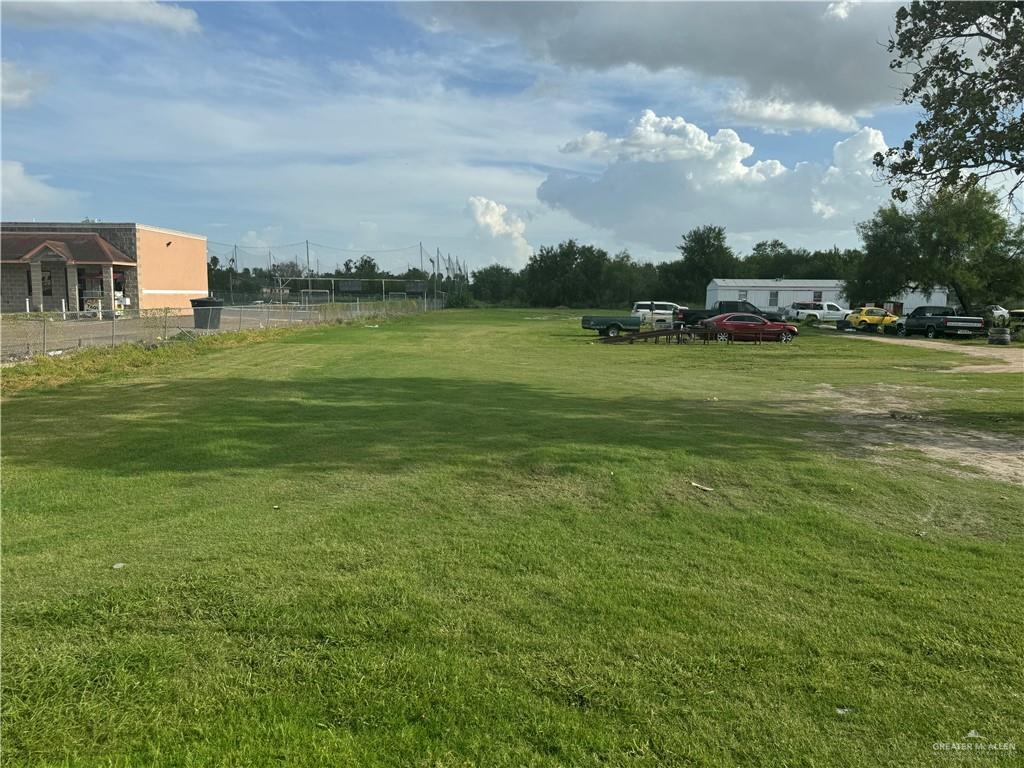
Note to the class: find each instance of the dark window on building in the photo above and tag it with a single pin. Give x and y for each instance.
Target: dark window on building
(47, 283)
(773, 298)
(817, 295)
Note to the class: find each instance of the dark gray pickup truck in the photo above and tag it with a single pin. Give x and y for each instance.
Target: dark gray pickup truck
(694, 316)
(940, 321)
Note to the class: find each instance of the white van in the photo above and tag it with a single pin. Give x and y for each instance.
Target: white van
(664, 311)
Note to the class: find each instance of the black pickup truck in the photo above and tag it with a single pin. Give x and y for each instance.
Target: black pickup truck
(694, 316)
(940, 321)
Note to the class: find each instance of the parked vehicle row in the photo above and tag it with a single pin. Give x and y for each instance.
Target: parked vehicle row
(741, 320)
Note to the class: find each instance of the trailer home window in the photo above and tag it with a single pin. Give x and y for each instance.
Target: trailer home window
(773, 298)
(743, 295)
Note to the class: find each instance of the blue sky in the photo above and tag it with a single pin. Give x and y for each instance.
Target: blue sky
(485, 130)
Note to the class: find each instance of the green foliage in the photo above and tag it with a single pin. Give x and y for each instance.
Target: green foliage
(496, 284)
(364, 269)
(705, 257)
(624, 281)
(773, 258)
(964, 242)
(460, 300)
(965, 62)
(954, 239)
(891, 262)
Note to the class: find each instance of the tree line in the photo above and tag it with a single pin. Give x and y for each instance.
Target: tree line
(960, 240)
(579, 275)
(956, 239)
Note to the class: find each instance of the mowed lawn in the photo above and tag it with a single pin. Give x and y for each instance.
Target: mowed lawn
(473, 538)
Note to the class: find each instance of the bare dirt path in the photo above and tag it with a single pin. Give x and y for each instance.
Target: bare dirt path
(1011, 359)
(884, 418)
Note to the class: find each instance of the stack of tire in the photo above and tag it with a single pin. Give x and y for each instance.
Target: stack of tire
(999, 336)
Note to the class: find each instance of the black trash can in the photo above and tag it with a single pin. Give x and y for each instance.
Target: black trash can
(207, 313)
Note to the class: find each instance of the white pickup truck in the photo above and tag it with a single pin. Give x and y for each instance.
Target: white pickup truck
(815, 310)
(663, 311)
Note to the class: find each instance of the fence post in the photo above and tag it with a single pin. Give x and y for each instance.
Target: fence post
(44, 333)
(113, 320)
(239, 318)
(167, 312)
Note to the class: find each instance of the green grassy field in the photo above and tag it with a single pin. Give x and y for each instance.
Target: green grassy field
(472, 538)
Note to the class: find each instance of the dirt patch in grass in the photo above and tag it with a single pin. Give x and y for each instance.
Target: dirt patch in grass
(882, 417)
(1005, 359)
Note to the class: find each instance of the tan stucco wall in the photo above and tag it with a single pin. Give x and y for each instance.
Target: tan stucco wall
(170, 275)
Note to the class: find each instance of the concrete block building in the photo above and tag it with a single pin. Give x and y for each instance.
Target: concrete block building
(62, 266)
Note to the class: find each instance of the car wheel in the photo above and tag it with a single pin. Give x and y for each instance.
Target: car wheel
(862, 325)
(722, 336)
(930, 332)
(901, 330)
(786, 337)
(811, 319)
(613, 330)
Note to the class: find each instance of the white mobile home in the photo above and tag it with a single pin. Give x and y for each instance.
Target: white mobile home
(780, 293)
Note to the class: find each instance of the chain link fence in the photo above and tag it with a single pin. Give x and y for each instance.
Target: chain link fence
(24, 335)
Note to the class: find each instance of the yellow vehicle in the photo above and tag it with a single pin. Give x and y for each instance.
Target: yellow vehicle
(871, 319)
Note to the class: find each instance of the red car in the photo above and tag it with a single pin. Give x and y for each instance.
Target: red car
(736, 326)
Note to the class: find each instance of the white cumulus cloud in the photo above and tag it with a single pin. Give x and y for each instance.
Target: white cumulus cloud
(497, 221)
(25, 196)
(662, 139)
(666, 175)
(145, 12)
(776, 115)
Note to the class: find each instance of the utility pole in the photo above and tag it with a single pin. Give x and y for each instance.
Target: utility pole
(231, 275)
(270, 272)
(309, 275)
(423, 273)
